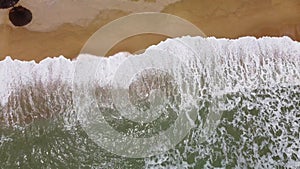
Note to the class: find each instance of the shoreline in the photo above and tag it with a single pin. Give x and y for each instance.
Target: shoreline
(230, 20)
(126, 53)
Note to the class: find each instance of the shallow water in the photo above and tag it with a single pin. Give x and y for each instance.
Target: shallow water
(250, 86)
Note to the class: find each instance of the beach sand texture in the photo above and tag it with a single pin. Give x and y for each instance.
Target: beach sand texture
(62, 27)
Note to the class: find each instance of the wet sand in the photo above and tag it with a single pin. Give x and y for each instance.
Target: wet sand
(230, 19)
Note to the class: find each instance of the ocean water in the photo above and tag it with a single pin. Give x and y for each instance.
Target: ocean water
(234, 104)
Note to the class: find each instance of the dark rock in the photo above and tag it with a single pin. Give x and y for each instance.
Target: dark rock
(20, 16)
(7, 3)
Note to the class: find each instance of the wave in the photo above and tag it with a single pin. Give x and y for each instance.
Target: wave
(256, 83)
(238, 64)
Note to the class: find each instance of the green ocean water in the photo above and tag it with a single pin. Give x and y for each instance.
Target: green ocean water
(258, 128)
(244, 95)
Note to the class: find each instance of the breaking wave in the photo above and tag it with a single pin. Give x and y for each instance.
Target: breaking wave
(252, 84)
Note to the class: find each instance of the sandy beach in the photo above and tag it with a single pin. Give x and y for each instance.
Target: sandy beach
(62, 28)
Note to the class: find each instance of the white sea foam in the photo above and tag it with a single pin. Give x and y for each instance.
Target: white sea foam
(261, 78)
(253, 54)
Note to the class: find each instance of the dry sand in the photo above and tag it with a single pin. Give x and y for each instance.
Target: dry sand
(64, 31)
